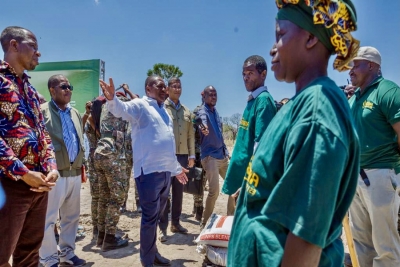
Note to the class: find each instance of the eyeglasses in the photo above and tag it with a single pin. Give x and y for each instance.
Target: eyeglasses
(65, 87)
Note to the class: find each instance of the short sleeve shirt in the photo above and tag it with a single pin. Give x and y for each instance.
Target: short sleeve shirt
(375, 111)
(301, 179)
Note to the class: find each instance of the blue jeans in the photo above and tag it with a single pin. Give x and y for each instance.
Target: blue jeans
(153, 193)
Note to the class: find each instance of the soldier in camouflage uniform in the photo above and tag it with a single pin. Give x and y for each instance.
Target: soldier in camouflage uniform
(93, 177)
(198, 206)
(110, 162)
(90, 131)
(129, 166)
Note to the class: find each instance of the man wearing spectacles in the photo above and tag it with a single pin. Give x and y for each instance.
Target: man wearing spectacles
(64, 124)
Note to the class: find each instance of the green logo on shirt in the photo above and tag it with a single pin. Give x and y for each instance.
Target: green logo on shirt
(368, 105)
(244, 124)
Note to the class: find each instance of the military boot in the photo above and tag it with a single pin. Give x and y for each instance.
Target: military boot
(199, 213)
(100, 238)
(113, 242)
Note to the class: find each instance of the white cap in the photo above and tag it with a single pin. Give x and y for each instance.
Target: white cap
(368, 53)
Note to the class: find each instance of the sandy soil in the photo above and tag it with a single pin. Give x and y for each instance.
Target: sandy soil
(179, 248)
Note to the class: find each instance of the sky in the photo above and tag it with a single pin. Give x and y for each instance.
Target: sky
(207, 39)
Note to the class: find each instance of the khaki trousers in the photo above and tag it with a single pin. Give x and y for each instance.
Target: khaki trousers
(214, 168)
(373, 217)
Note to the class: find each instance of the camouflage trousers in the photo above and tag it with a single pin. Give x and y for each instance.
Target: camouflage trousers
(198, 199)
(113, 184)
(94, 188)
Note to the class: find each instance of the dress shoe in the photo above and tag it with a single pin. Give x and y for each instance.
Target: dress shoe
(161, 261)
(113, 242)
(178, 229)
(73, 262)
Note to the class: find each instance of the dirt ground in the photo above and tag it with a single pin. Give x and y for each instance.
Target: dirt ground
(179, 248)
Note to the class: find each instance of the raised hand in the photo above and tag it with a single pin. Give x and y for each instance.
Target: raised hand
(108, 89)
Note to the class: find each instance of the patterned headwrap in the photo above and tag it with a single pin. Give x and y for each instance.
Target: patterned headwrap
(331, 21)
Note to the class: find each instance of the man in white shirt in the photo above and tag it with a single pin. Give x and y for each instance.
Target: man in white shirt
(154, 155)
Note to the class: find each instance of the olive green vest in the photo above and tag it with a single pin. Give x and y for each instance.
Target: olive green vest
(54, 127)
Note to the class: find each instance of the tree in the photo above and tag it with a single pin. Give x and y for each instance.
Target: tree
(231, 125)
(165, 71)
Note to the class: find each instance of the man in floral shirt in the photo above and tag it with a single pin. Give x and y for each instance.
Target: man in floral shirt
(27, 163)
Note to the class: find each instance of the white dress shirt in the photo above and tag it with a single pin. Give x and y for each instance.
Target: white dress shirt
(153, 141)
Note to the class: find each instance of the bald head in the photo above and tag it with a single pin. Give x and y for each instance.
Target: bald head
(210, 96)
(208, 89)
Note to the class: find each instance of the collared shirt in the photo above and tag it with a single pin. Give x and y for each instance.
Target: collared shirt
(176, 106)
(213, 144)
(374, 112)
(258, 91)
(70, 135)
(153, 141)
(25, 143)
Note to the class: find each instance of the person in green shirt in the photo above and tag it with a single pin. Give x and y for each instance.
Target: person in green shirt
(259, 111)
(302, 177)
(374, 212)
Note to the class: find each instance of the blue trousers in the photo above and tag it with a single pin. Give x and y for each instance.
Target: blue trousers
(153, 193)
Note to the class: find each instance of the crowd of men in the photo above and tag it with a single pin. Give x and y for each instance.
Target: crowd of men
(296, 169)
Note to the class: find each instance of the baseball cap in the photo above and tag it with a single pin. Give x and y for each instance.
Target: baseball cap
(368, 53)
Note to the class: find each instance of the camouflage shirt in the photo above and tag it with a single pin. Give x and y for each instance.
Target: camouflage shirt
(113, 132)
(90, 134)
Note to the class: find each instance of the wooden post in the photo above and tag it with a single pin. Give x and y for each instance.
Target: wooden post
(350, 242)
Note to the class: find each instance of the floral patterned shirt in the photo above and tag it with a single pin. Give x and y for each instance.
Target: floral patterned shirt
(25, 143)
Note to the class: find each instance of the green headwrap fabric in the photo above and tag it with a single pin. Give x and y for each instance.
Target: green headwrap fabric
(302, 16)
(331, 21)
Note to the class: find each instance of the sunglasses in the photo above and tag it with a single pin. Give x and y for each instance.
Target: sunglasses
(65, 87)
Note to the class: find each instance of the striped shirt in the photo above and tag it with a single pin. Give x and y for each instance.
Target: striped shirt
(70, 135)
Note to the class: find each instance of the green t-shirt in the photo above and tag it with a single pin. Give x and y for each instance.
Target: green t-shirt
(256, 117)
(302, 179)
(375, 111)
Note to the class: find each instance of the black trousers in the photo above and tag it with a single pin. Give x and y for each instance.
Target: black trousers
(177, 197)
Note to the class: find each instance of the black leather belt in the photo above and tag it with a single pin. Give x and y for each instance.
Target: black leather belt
(364, 177)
